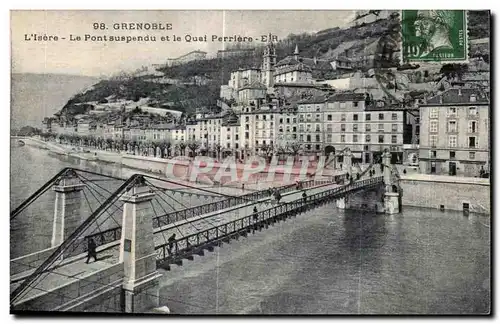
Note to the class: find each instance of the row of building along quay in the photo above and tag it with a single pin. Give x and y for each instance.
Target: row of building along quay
(279, 109)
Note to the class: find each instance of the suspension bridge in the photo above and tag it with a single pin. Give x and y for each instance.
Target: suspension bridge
(144, 223)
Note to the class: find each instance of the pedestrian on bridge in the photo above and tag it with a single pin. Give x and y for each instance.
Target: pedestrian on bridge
(171, 241)
(91, 250)
(277, 196)
(304, 197)
(255, 214)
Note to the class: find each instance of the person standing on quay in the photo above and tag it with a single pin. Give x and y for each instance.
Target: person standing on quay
(91, 251)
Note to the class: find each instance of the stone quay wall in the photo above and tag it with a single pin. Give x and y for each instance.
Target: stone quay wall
(452, 193)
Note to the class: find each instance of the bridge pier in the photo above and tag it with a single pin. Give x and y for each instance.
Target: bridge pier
(391, 196)
(343, 202)
(67, 216)
(137, 252)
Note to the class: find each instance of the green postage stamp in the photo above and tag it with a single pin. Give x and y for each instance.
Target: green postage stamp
(434, 36)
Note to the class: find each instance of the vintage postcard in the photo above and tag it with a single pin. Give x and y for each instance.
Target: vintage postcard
(250, 162)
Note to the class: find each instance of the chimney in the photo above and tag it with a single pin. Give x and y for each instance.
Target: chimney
(459, 91)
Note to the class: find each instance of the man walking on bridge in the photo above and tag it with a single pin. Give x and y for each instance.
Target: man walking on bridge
(91, 251)
(304, 197)
(171, 240)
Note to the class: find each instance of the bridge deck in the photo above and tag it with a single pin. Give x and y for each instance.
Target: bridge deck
(75, 268)
(206, 221)
(68, 271)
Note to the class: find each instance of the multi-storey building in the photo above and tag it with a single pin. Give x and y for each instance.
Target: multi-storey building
(454, 133)
(366, 129)
(310, 125)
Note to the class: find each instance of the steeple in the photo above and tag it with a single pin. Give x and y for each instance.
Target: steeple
(296, 52)
(268, 63)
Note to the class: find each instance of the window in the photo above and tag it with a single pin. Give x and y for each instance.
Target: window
(452, 141)
(355, 103)
(472, 126)
(452, 154)
(329, 128)
(342, 127)
(434, 126)
(434, 113)
(433, 140)
(355, 127)
(368, 138)
(355, 138)
(257, 143)
(368, 127)
(247, 119)
(381, 127)
(329, 117)
(472, 141)
(342, 117)
(394, 127)
(472, 155)
(394, 139)
(452, 126)
(318, 138)
(329, 138)
(308, 138)
(452, 111)
(355, 117)
(301, 138)
(281, 120)
(368, 117)
(472, 111)
(394, 116)
(433, 154)
(318, 129)
(247, 136)
(236, 136)
(381, 116)
(342, 138)
(381, 138)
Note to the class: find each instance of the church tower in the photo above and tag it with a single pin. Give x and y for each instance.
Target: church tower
(296, 53)
(268, 65)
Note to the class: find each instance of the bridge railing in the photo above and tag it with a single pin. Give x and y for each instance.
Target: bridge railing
(188, 244)
(186, 213)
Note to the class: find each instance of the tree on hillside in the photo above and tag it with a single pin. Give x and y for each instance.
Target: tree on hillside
(451, 71)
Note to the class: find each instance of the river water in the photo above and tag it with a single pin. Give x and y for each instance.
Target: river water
(327, 261)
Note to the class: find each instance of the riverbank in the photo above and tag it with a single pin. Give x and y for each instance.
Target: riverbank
(160, 167)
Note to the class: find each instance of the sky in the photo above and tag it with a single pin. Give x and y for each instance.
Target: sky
(94, 58)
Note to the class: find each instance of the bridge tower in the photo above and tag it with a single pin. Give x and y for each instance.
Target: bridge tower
(67, 214)
(137, 251)
(347, 164)
(391, 195)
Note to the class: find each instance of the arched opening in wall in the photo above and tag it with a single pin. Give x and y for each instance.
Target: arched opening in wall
(329, 149)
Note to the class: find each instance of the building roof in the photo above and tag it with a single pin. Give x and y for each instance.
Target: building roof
(312, 100)
(300, 67)
(459, 96)
(346, 96)
(253, 85)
